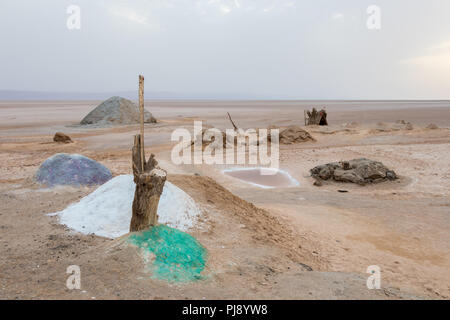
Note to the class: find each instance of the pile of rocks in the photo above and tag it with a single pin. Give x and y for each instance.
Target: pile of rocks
(360, 171)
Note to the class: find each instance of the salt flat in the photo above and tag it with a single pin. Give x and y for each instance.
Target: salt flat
(401, 226)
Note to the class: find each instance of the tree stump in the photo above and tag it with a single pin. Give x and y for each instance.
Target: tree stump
(316, 117)
(149, 187)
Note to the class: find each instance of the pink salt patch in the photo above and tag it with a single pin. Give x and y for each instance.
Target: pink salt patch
(263, 177)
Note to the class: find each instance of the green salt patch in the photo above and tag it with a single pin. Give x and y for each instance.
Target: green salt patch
(178, 256)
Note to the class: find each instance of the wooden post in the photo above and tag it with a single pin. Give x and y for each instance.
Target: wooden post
(149, 178)
(141, 119)
(149, 187)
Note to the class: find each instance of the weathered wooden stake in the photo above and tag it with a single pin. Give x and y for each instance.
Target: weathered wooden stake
(141, 118)
(149, 178)
(149, 187)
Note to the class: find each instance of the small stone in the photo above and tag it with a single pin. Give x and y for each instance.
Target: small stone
(345, 165)
(409, 126)
(62, 138)
(391, 175)
(318, 183)
(325, 173)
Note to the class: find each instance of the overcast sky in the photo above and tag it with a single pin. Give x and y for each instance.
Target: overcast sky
(315, 49)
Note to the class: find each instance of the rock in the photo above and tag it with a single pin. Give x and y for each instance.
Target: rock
(116, 111)
(347, 176)
(368, 169)
(325, 173)
(72, 169)
(409, 126)
(305, 266)
(432, 126)
(61, 137)
(345, 165)
(359, 171)
(351, 125)
(318, 183)
(391, 175)
(402, 125)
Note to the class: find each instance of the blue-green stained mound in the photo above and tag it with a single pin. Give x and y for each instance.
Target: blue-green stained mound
(179, 257)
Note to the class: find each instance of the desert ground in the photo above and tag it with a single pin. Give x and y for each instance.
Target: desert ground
(302, 242)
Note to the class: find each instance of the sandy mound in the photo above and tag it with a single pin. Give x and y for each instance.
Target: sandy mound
(107, 211)
(294, 134)
(403, 125)
(289, 135)
(208, 137)
(72, 169)
(389, 127)
(116, 110)
(361, 171)
(351, 125)
(238, 138)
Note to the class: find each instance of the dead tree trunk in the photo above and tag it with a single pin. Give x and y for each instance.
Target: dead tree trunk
(149, 187)
(317, 117)
(232, 122)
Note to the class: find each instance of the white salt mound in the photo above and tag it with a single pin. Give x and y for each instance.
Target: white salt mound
(106, 212)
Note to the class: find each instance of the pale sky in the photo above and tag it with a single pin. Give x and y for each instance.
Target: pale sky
(291, 49)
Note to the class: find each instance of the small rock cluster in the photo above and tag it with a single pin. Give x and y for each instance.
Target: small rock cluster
(432, 126)
(360, 171)
(403, 125)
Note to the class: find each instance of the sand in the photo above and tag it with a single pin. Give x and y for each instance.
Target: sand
(262, 239)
